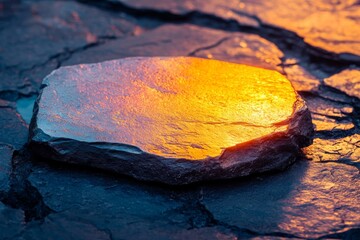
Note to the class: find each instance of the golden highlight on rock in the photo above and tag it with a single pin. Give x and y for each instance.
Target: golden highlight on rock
(173, 107)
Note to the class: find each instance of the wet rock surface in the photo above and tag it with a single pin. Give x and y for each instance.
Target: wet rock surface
(6, 153)
(13, 130)
(163, 119)
(317, 197)
(307, 20)
(347, 81)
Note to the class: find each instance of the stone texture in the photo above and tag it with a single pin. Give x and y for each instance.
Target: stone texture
(309, 20)
(329, 116)
(302, 80)
(163, 119)
(316, 196)
(38, 35)
(346, 149)
(10, 222)
(107, 206)
(6, 153)
(189, 40)
(13, 129)
(347, 81)
(274, 206)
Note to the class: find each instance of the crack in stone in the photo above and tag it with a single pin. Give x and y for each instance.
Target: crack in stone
(67, 53)
(246, 233)
(353, 117)
(214, 45)
(352, 233)
(59, 58)
(197, 207)
(22, 195)
(34, 206)
(345, 161)
(199, 18)
(335, 134)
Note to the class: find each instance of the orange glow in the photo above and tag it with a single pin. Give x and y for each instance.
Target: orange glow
(181, 107)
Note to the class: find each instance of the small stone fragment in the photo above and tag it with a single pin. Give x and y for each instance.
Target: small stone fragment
(324, 123)
(170, 119)
(13, 129)
(301, 79)
(347, 81)
(329, 116)
(335, 149)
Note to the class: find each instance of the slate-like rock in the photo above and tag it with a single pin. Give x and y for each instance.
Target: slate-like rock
(35, 36)
(302, 80)
(318, 199)
(11, 222)
(173, 120)
(346, 149)
(120, 207)
(309, 20)
(14, 130)
(347, 81)
(329, 116)
(190, 40)
(311, 200)
(6, 153)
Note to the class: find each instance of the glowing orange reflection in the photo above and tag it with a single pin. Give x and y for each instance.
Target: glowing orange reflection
(179, 107)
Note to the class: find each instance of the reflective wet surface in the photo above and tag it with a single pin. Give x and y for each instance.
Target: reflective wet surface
(172, 107)
(313, 42)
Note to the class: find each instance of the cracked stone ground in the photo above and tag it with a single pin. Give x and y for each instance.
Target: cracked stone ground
(314, 43)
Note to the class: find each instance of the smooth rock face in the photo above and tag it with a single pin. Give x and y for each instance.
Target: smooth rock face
(173, 120)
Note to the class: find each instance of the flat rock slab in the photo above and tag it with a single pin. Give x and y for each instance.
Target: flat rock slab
(174, 120)
(308, 20)
(347, 81)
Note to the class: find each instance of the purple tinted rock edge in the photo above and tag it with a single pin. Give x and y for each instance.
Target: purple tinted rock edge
(272, 152)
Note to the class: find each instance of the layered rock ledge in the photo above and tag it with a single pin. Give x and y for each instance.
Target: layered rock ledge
(174, 120)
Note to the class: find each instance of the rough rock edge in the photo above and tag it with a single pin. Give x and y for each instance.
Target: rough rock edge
(272, 152)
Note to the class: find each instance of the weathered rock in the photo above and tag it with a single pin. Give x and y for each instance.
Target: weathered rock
(310, 200)
(173, 120)
(13, 129)
(260, 206)
(329, 116)
(245, 49)
(308, 20)
(6, 153)
(302, 80)
(342, 149)
(116, 206)
(11, 222)
(347, 81)
(189, 40)
(38, 35)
